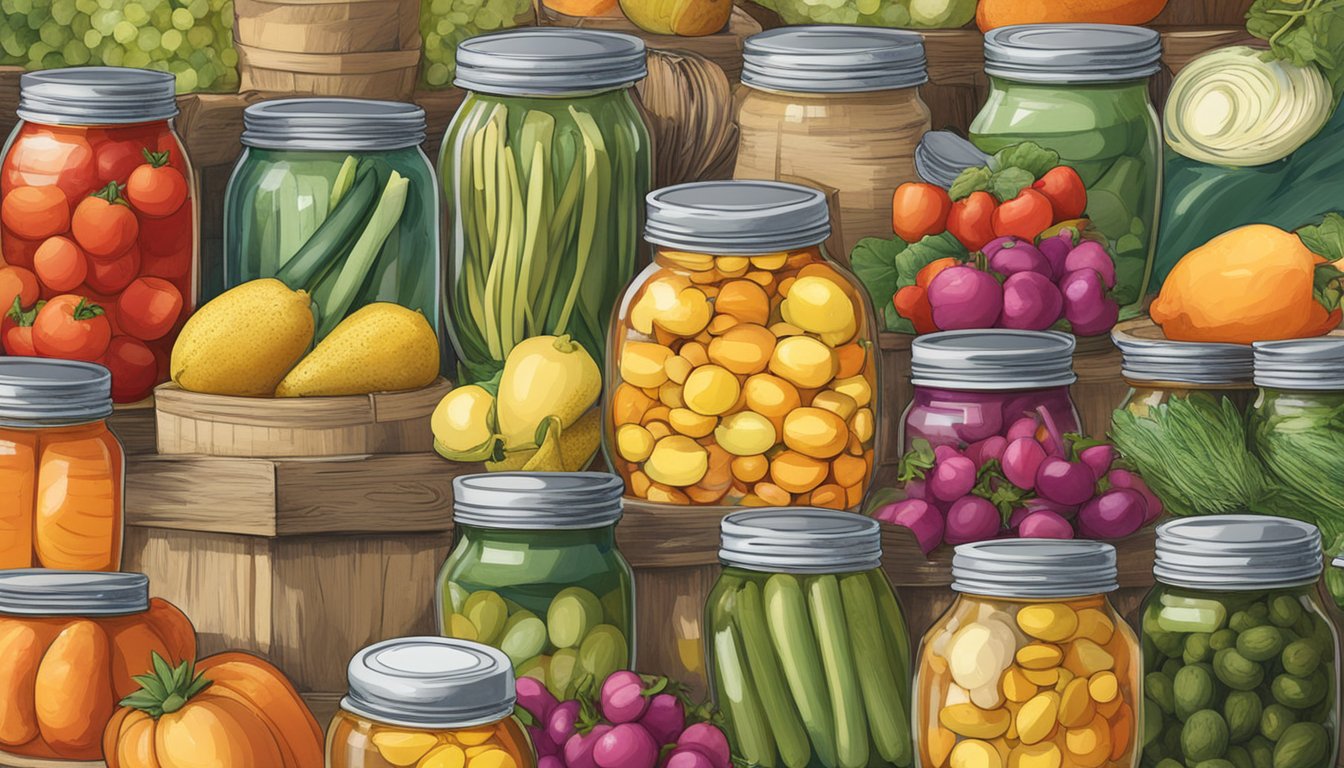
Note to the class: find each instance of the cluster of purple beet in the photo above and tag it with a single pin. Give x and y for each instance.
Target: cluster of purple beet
(1031, 482)
(636, 722)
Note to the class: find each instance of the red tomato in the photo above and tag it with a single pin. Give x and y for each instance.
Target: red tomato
(173, 266)
(72, 328)
(170, 237)
(116, 159)
(17, 283)
(1025, 216)
(925, 275)
(912, 303)
(43, 156)
(971, 220)
(919, 209)
(16, 251)
(110, 276)
(156, 189)
(16, 330)
(103, 224)
(149, 307)
(134, 367)
(35, 213)
(60, 264)
(1063, 187)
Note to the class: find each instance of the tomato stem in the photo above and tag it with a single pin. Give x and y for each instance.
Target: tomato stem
(111, 193)
(155, 159)
(87, 310)
(166, 689)
(21, 318)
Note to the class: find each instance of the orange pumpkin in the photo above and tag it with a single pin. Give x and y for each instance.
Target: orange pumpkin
(230, 710)
(60, 678)
(1001, 13)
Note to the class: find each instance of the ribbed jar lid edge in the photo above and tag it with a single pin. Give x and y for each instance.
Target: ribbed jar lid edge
(1035, 568)
(333, 124)
(48, 592)
(992, 360)
(1231, 552)
(396, 682)
(538, 501)
(800, 540)
(738, 217)
(97, 96)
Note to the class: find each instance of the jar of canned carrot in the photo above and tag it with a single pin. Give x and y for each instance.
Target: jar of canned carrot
(741, 368)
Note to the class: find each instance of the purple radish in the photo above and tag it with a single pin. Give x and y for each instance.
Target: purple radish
(622, 699)
(1023, 427)
(1086, 306)
(664, 719)
(1090, 254)
(709, 741)
(1099, 458)
(550, 761)
(1043, 524)
(978, 422)
(1123, 478)
(971, 518)
(1105, 320)
(964, 297)
(541, 740)
(578, 751)
(1030, 302)
(535, 698)
(686, 757)
(560, 725)
(1056, 250)
(941, 452)
(1112, 515)
(952, 478)
(1009, 256)
(1016, 518)
(987, 450)
(1021, 462)
(916, 489)
(1066, 511)
(922, 518)
(1065, 482)
(627, 745)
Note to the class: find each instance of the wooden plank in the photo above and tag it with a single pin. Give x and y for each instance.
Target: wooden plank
(133, 424)
(1181, 45)
(723, 48)
(1203, 13)
(211, 125)
(8, 760)
(202, 494)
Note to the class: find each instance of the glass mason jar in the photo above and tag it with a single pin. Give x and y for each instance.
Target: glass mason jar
(96, 142)
(335, 197)
(1239, 656)
(535, 572)
(544, 167)
(61, 468)
(838, 106)
(973, 385)
(1031, 665)
(428, 702)
(808, 651)
(742, 364)
(1082, 91)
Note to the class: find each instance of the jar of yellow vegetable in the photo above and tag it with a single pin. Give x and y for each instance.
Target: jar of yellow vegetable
(741, 366)
(1031, 666)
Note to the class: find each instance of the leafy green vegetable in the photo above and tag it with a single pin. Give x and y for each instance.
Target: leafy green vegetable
(1029, 156)
(1303, 32)
(1325, 239)
(1007, 183)
(975, 179)
(919, 255)
(1300, 438)
(886, 266)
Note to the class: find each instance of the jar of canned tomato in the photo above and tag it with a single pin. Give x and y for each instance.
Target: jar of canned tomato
(98, 223)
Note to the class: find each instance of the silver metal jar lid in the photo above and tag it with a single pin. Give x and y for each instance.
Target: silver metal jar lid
(334, 125)
(1237, 552)
(97, 96)
(538, 501)
(430, 682)
(1301, 364)
(542, 61)
(42, 392)
(834, 59)
(1183, 362)
(800, 540)
(45, 592)
(992, 360)
(736, 217)
(1072, 53)
(1029, 568)
(941, 156)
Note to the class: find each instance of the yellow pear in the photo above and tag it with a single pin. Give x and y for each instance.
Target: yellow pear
(244, 341)
(382, 347)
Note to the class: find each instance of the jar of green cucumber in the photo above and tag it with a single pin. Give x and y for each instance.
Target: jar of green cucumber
(807, 648)
(535, 572)
(1239, 655)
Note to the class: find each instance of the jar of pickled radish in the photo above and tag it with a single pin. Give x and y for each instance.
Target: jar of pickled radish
(1031, 666)
(428, 702)
(1240, 658)
(741, 370)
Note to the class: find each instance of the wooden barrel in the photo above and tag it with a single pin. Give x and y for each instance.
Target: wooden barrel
(361, 48)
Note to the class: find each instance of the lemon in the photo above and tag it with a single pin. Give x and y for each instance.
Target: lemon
(544, 376)
(633, 442)
(381, 347)
(678, 461)
(244, 341)
(463, 424)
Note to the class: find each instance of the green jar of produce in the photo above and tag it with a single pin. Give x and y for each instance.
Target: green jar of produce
(1082, 91)
(545, 167)
(535, 572)
(336, 198)
(807, 648)
(1239, 656)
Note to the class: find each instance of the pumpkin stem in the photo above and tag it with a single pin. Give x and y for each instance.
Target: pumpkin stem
(166, 689)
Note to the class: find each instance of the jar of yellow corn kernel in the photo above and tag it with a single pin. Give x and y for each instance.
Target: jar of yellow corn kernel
(1031, 667)
(741, 365)
(428, 702)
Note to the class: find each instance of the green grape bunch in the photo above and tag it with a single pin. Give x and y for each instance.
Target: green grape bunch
(445, 23)
(193, 39)
(912, 14)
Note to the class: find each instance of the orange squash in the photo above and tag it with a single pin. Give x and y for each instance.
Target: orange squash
(60, 678)
(231, 709)
(1002, 13)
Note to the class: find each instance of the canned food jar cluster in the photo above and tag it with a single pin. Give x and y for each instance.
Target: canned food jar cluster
(1031, 666)
(742, 366)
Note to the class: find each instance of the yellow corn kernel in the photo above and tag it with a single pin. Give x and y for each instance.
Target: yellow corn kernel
(804, 361)
(749, 469)
(761, 278)
(744, 349)
(1103, 686)
(1085, 658)
(1075, 706)
(1051, 622)
(772, 494)
(745, 433)
(1045, 755)
(1039, 656)
(669, 394)
(856, 387)
(695, 354)
(862, 425)
(677, 368)
(815, 432)
(493, 758)
(1065, 677)
(973, 722)
(660, 295)
(1042, 677)
(690, 423)
(1016, 686)
(1095, 626)
(975, 754)
(839, 403)
(633, 442)
(445, 756)
(678, 461)
(771, 396)
(710, 390)
(727, 264)
(402, 747)
(1089, 746)
(1037, 717)
(642, 363)
(688, 316)
(696, 262)
(770, 262)
(817, 305)
(744, 301)
(471, 737)
(721, 324)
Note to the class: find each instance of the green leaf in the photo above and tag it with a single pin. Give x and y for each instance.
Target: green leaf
(968, 181)
(873, 261)
(915, 462)
(1303, 32)
(894, 321)
(1325, 239)
(919, 255)
(1007, 183)
(1028, 156)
